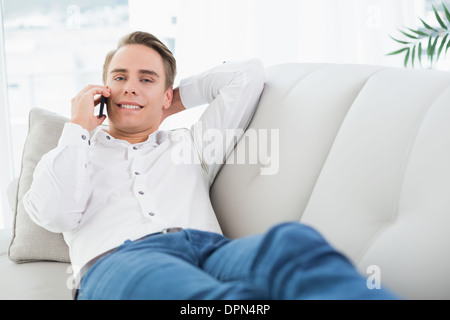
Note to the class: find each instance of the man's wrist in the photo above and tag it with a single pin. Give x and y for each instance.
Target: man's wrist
(177, 103)
(74, 134)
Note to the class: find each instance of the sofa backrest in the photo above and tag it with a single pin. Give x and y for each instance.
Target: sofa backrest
(362, 153)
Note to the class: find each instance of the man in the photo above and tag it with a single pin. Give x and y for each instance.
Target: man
(139, 222)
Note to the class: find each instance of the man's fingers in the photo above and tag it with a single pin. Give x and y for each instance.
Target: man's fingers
(101, 119)
(96, 90)
(97, 100)
(102, 91)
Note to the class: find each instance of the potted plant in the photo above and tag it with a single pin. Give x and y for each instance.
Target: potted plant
(432, 41)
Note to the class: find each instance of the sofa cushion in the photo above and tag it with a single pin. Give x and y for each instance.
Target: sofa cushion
(32, 281)
(382, 196)
(31, 242)
(300, 112)
(363, 156)
(35, 281)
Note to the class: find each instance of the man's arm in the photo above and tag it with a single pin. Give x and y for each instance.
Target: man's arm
(232, 91)
(60, 189)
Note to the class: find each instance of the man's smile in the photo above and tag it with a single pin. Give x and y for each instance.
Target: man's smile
(130, 106)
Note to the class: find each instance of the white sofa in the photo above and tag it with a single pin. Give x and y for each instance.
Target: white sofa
(360, 152)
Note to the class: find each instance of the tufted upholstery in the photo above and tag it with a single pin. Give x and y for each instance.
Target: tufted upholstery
(364, 156)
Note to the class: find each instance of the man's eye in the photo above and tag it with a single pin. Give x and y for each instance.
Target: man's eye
(147, 80)
(119, 78)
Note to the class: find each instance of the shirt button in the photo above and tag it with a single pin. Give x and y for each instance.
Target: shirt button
(137, 173)
(135, 148)
(151, 214)
(83, 137)
(141, 193)
(108, 137)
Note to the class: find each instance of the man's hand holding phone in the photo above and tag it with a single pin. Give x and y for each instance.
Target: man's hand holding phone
(83, 106)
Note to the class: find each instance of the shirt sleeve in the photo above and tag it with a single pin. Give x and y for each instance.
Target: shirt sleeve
(58, 194)
(232, 91)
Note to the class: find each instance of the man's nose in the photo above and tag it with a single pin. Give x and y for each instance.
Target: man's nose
(130, 91)
(130, 88)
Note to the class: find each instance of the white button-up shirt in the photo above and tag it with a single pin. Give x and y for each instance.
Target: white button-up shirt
(100, 191)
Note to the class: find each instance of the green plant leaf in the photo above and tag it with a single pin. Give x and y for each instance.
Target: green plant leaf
(432, 49)
(447, 13)
(419, 33)
(399, 41)
(429, 46)
(397, 52)
(428, 26)
(438, 18)
(429, 41)
(441, 47)
(406, 58)
(435, 44)
(419, 53)
(448, 46)
(409, 35)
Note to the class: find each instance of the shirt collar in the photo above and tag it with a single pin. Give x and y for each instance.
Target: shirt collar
(103, 137)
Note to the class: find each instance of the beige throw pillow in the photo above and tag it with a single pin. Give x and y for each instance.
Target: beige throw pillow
(31, 242)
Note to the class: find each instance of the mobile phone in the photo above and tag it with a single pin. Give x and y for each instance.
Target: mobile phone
(102, 106)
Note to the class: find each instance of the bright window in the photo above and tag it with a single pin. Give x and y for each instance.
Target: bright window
(53, 49)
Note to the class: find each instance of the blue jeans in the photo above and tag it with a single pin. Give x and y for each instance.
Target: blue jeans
(290, 261)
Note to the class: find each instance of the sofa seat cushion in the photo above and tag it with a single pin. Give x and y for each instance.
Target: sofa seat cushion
(34, 280)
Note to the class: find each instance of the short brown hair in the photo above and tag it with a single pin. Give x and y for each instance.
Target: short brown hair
(149, 40)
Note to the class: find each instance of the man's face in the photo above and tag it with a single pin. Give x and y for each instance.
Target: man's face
(137, 82)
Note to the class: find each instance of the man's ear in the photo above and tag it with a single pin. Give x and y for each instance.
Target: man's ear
(168, 98)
